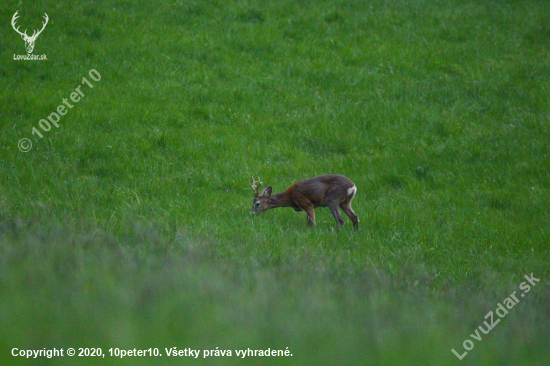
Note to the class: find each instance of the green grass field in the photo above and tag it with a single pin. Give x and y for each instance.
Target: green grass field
(129, 225)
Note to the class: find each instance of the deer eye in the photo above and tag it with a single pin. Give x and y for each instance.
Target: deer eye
(257, 203)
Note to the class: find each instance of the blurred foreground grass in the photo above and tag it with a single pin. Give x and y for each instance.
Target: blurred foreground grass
(63, 288)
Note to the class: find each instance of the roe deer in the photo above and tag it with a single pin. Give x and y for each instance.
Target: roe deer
(306, 195)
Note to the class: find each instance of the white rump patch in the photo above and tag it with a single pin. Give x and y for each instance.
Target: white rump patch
(351, 191)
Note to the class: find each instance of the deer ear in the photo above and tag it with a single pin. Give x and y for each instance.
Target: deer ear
(267, 191)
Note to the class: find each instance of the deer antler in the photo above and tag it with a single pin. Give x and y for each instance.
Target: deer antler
(35, 34)
(13, 20)
(255, 185)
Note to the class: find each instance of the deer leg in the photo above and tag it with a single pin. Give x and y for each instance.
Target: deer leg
(336, 213)
(305, 205)
(346, 207)
(310, 215)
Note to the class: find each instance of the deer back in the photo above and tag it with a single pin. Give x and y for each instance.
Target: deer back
(323, 189)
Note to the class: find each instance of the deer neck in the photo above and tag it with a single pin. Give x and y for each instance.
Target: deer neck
(282, 199)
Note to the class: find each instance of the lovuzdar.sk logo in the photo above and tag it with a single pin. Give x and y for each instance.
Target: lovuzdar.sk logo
(29, 40)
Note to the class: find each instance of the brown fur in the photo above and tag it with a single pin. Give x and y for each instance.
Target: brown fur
(306, 195)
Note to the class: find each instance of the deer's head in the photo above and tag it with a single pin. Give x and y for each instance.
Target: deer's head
(29, 40)
(259, 203)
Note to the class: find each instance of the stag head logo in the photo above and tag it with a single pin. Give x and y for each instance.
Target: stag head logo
(29, 40)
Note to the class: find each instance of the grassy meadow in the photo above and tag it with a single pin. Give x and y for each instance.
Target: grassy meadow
(129, 225)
